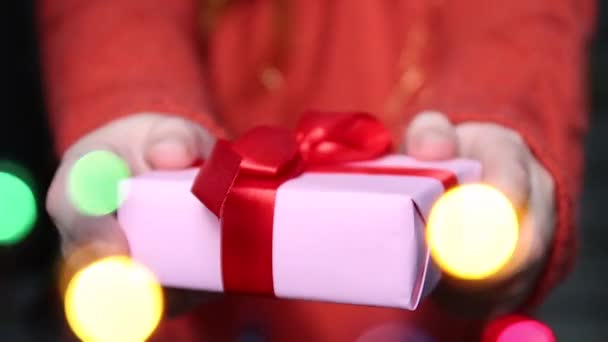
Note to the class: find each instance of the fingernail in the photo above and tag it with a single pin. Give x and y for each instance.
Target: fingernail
(433, 143)
(170, 153)
(173, 143)
(433, 137)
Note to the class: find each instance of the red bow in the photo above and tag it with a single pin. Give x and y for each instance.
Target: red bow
(238, 183)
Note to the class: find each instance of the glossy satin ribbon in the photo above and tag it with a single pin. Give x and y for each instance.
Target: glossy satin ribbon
(239, 181)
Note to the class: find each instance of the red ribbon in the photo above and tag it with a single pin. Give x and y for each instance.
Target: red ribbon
(239, 181)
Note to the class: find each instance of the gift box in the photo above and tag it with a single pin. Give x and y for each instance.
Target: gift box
(278, 215)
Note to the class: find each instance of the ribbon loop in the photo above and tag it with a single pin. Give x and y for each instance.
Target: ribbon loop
(332, 138)
(267, 151)
(264, 152)
(217, 176)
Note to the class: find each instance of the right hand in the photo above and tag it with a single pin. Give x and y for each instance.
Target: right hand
(145, 142)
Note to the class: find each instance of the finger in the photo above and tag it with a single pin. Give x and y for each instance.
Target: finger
(76, 227)
(431, 136)
(505, 162)
(82, 252)
(527, 250)
(174, 143)
(500, 292)
(536, 228)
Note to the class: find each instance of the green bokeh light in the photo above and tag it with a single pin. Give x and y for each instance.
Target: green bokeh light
(93, 182)
(18, 209)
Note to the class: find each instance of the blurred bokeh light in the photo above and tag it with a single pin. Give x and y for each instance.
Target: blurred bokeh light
(93, 182)
(526, 331)
(114, 300)
(18, 208)
(517, 328)
(472, 231)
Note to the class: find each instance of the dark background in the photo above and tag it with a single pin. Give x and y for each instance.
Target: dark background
(29, 306)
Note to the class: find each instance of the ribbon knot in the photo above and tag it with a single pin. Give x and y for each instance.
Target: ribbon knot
(276, 153)
(238, 183)
(267, 151)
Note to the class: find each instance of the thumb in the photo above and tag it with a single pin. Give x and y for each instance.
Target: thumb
(431, 136)
(175, 143)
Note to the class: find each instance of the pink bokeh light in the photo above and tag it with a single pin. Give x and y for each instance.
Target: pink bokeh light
(526, 331)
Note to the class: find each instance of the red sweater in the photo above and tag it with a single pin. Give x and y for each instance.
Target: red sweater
(520, 63)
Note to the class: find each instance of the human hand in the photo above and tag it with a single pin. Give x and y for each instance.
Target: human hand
(510, 167)
(145, 142)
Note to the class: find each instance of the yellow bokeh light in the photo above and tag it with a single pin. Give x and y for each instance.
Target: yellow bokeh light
(472, 231)
(114, 300)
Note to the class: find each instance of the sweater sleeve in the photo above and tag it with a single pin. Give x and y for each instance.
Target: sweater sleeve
(104, 59)
(521, 63)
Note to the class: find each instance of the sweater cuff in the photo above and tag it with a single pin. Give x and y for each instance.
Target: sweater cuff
(561, 255)
(87, 114)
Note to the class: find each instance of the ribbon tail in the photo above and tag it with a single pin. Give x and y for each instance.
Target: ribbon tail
(216, 177)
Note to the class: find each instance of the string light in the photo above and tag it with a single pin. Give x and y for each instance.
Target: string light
(517, 328)
(472, 231)
(526, 331)
(93, 183)
(18, 209)
(113, 300)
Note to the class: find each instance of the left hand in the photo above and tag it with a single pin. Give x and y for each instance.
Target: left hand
(509, 166)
